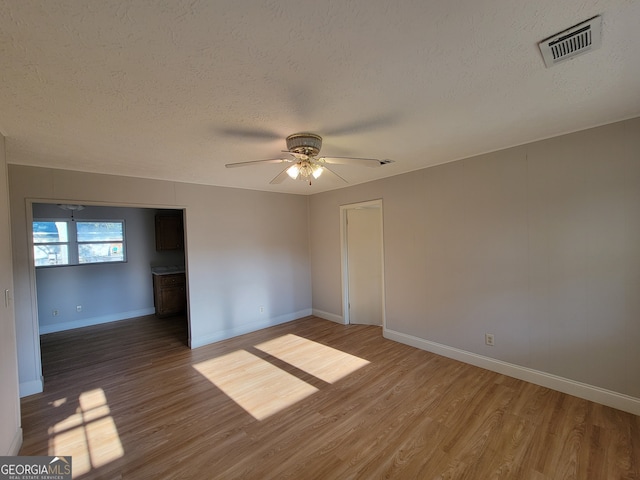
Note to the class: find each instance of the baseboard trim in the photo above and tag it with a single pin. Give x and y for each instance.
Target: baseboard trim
(16, 444)
(554, 382)
(31, 388)
(247, 328)
(88, 322)
(328, 316)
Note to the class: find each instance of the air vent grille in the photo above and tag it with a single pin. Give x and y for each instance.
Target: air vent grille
(575, 41)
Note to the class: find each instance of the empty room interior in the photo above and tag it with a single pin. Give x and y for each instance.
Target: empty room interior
(321, 239)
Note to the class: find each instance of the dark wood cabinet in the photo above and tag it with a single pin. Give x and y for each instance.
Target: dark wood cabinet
(169, 294)
(169, 232)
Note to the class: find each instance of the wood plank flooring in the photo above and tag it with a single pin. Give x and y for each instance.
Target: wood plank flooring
(309, 399)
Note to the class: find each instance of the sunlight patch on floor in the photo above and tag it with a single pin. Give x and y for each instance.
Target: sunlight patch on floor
(90, 435)
(321, 361)
(58, 402)
(259, 387)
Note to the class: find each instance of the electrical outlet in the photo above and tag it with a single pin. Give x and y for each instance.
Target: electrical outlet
(78, 308)
(54, 313)
(261, 309)
(489, 339)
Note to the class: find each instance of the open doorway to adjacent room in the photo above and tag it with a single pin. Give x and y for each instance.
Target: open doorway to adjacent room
(98, 264)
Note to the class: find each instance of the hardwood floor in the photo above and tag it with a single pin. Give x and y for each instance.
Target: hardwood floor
(305, 400)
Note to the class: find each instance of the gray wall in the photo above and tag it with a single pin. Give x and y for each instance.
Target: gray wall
(244, 249)
(538, 244)
(10, 431)
(106, 292)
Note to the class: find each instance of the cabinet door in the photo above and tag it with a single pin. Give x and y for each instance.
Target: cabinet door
(172, 299)
(169, 232)
(169, 294)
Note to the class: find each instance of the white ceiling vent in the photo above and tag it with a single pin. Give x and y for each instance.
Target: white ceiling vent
(574, 41)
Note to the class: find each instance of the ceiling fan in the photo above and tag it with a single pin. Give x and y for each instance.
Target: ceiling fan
(304, 162)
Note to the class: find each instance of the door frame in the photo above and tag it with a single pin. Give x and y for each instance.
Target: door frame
(37, 386)
(344, 255)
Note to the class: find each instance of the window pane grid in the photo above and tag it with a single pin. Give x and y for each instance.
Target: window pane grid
(77, 243)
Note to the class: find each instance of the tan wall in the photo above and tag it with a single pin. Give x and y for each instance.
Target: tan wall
(10, 431)
(538, 244)
(245, 249)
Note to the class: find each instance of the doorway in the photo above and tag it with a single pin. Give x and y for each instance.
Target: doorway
(363, 263)
(93, 264)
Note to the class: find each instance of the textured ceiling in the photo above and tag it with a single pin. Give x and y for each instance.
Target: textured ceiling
(175, 89)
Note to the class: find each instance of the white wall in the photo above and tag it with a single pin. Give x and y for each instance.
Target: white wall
(106, 292)
(10, 431)
(538, 244)
(245, 250)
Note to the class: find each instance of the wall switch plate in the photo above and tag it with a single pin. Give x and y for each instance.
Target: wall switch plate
(489, 339)
(78, 308)
(54, 313)
(261, 309)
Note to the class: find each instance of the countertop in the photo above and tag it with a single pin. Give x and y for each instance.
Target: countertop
(167, 270)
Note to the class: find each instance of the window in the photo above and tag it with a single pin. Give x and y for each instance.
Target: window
(100, 242)
(66, 242)
(51, 243)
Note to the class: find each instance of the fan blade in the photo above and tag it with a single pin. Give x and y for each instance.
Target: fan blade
(280, 177)
(299, 156)
(256, 162)
(363, 162)
(333, 173)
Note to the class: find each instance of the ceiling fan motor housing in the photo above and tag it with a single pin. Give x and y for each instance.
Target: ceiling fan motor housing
(305, 143)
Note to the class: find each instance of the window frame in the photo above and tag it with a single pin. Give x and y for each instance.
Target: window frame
(73, 244)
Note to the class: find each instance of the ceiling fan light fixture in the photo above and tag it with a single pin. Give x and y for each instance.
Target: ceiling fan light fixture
(70, 207)
(316, 171)
(307, 170)
(305, 164)
(293, 171)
